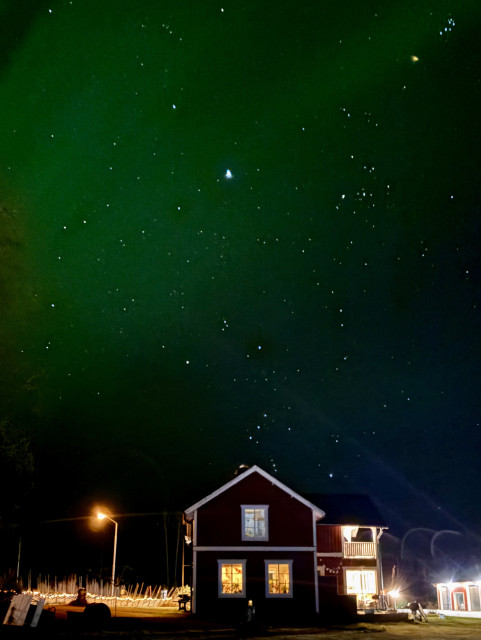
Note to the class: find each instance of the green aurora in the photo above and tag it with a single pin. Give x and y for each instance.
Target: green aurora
(316, 313)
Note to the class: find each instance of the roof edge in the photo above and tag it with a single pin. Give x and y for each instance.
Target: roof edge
(189, 512)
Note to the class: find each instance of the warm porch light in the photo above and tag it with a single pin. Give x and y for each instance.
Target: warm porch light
(350, 533)
(394, 593)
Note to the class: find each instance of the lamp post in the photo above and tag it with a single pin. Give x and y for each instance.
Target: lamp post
(103, 516)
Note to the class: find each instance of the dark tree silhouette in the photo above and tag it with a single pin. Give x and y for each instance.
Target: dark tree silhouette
(17, 467)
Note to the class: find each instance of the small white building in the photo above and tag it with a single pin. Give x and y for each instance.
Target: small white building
(459, 596)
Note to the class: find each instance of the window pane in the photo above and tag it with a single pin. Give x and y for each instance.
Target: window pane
(360, 581)
(232, 578)
(279, 579)
(254, 523)
(249, 523)
(259, 523)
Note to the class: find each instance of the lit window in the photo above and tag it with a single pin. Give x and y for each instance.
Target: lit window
(254, 522)
(359, 581)
(231, 578)
(278, 578)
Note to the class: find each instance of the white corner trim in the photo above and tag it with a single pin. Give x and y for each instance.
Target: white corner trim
(194, 581)
(316, 581)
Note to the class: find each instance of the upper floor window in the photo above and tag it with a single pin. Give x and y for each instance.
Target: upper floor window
(255, 522)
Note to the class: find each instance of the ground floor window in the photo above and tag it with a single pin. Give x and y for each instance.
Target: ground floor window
(231, 578)
(362, 583)
(278, 578)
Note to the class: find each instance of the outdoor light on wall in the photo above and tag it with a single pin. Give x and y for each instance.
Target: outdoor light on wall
(394, 595)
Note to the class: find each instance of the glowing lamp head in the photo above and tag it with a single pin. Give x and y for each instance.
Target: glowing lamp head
(394, 593)
(101, 516)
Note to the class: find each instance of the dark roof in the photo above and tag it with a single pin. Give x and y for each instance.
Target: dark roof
(347, 508)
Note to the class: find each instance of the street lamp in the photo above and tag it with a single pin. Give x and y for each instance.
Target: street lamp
(103, 516)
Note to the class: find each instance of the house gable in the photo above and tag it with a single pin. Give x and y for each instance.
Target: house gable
(288, 521)
(318, 512)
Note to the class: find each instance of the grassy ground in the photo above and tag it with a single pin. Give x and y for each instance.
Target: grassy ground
(173, 625)
(435, 629)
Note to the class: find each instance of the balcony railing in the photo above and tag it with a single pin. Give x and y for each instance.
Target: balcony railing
(359, 549)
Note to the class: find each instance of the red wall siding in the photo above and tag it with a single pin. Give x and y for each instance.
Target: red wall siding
(209, 604)
(359, 563)
(329, 538)
(219, 522)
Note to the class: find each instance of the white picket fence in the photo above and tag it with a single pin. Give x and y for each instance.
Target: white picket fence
(111, 601)
(64, 591)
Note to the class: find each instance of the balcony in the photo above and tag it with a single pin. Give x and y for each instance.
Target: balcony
(359, 549)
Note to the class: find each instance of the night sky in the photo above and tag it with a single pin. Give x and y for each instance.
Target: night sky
(243, 232)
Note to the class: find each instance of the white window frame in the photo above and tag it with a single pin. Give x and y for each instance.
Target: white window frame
(241, 594)
(265, 507)
(291, 583)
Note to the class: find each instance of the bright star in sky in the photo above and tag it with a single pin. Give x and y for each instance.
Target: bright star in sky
(228, 174)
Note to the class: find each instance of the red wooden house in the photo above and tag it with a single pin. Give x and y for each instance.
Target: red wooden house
(254, 539)
(257, 542)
